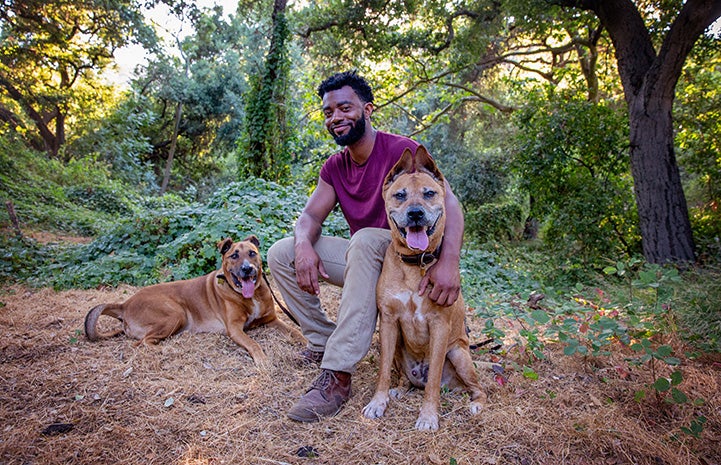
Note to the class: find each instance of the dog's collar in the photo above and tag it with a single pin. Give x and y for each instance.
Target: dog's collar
(422, 260)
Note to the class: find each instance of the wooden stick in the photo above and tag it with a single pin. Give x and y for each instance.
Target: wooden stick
(14, 218)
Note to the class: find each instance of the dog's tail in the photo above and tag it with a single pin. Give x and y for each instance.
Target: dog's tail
(91, 321)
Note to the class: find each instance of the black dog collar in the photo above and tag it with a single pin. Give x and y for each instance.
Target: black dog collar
(423, 259)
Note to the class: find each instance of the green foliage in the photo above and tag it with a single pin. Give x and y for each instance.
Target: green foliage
(502, 222)
(572, 160)
(264, 150)
(493, 276)
(696, 306)
(698, 140)
(181, 242)
(78, 197)
(51, 53)
(120, 137)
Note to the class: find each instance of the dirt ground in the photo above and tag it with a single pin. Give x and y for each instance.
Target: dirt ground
(199, 399)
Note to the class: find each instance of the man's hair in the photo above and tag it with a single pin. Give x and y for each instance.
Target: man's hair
(347, 78)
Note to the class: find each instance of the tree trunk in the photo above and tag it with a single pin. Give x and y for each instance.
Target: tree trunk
(662, 210)
(649, 80)
(173, 145)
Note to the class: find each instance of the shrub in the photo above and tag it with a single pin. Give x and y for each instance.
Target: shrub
(501, 222)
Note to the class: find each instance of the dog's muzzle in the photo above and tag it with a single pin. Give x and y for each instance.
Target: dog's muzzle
(417, 228)
(246, 279)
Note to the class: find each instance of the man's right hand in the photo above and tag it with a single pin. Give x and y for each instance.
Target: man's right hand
(308, 266)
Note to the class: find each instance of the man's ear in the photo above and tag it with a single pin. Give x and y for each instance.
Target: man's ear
(368, 109)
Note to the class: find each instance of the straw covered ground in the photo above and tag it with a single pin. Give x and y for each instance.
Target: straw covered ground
(199, 399)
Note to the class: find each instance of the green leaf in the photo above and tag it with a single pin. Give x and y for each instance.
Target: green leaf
(662, 385)
(569, 349)
(676, 378)
(639, 395)
(529, 373)
(540, 316)
(664, 350)
(678, 396)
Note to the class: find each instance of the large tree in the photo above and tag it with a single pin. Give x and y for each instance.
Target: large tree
(649, 76)
(51, 52)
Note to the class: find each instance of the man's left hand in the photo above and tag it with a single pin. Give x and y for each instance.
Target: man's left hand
(442, 282)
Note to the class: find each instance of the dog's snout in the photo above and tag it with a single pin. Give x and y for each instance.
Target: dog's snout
(416, 214)
(247, 269)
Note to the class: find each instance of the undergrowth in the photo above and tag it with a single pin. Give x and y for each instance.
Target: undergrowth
(631, 307)
(163, 243)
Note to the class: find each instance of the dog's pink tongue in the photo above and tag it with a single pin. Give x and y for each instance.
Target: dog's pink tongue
(417, 239)
(247, 288)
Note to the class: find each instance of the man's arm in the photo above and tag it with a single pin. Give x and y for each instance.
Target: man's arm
(307, 231)
(444, 277)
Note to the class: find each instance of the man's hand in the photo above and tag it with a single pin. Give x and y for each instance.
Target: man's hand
(442, 281)
(307, 268)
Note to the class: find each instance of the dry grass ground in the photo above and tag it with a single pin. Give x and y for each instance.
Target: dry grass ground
(201, 400)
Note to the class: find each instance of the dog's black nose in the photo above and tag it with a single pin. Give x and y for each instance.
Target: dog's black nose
(246, 270)
(416, 214)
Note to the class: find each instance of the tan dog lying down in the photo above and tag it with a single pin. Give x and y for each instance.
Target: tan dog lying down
(227, 301)
(427, 342)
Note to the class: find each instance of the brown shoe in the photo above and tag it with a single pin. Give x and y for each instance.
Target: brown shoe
(325, 397)
(310, 357)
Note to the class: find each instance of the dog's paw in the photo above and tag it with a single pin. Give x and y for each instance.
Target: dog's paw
(376, 407)
(396, 393)
(262, 362)
(475, 407)
(427, 422)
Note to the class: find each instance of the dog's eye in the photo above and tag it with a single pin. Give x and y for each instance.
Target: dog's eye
(400, 196)
(234, 255)
(429, 194)
(252, 253)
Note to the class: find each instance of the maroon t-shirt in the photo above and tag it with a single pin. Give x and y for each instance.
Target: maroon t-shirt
(359, 188)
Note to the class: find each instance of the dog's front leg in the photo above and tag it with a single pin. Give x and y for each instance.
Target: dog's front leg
(388, 333)
(235, 327)
(428, 416)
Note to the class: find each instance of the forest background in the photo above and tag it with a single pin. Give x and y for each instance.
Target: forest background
(582, 138)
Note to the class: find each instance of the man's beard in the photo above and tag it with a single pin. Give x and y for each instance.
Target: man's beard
(354, 134)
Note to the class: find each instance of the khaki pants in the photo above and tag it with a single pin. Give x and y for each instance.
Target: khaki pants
(353, 264)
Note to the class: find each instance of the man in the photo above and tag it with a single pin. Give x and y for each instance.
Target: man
(353, 178)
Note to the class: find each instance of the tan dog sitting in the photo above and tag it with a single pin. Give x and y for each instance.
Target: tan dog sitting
(427, 342)
(227, 301)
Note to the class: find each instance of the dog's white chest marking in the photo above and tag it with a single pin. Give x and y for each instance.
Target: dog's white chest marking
(412, 300)
(255, 312)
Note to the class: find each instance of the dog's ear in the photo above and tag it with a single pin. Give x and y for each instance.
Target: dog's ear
(253, 240)
(424, 162)
(403, 165)
(225, 245)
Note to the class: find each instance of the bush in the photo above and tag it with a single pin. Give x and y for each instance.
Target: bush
(571, 158)
(500, 222)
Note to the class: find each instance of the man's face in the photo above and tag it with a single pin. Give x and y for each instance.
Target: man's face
(345, 115)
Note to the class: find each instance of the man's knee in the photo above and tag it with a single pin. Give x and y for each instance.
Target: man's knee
(280, 253)
(369, 242)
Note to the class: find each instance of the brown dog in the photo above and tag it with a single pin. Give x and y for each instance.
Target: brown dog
(226, 301)
(427, 342)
